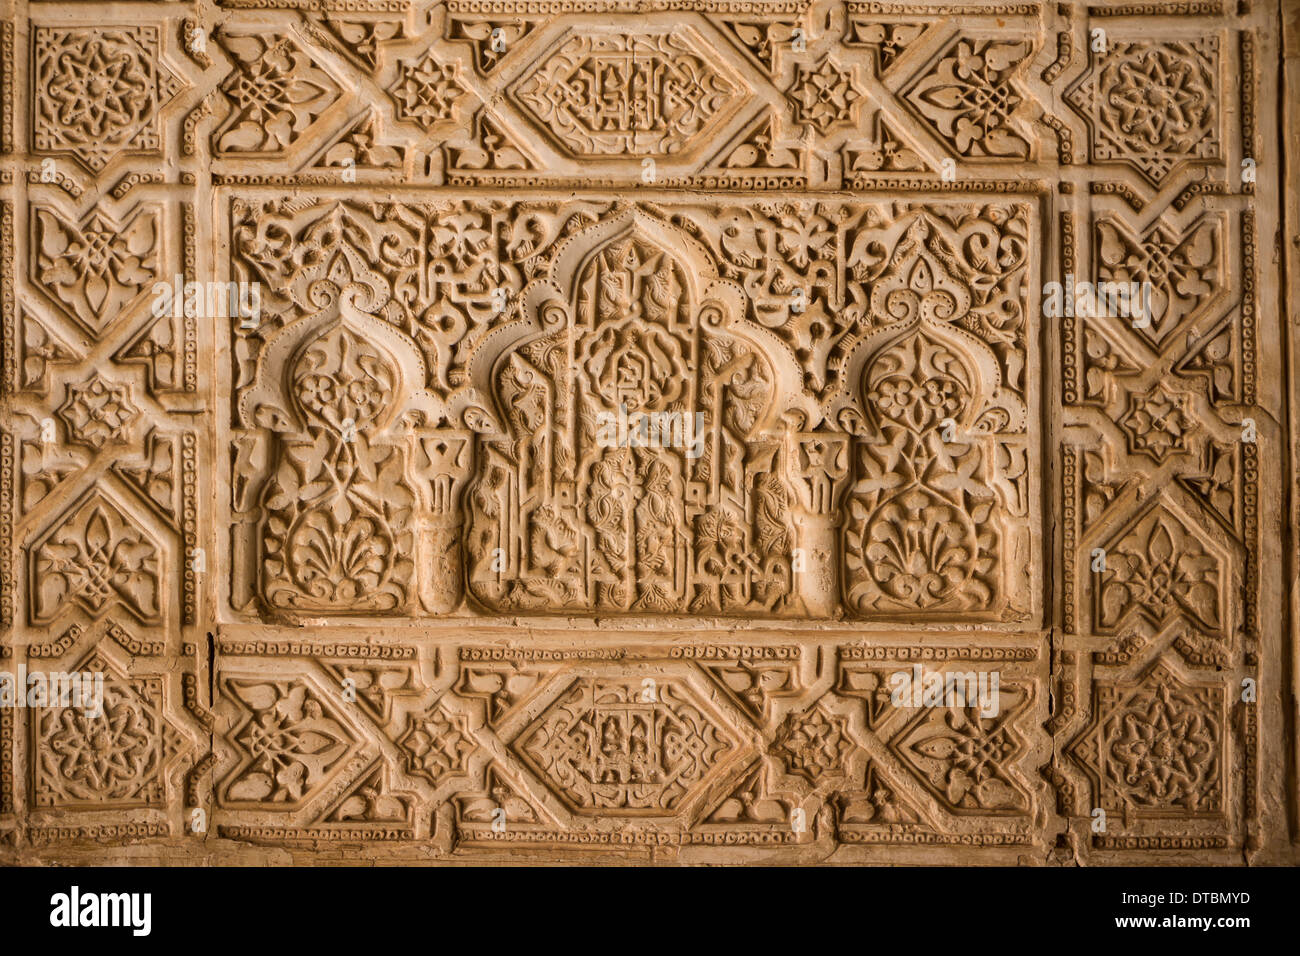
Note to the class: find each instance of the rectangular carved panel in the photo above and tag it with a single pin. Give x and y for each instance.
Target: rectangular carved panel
(695, 432)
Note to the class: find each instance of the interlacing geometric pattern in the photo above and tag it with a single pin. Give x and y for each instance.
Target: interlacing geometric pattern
(679, 431)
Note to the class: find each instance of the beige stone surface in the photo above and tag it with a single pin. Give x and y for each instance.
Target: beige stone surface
(681, 432)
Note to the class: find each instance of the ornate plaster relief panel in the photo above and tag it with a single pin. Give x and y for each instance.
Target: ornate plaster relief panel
(682, 432)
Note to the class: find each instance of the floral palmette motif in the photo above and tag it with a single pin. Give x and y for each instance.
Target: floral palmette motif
(924, 552)
(923, 530)
(276, 93)
(95, 558)
(1160, 568)
(337, 508)
(964, 754)
(927, 544)
(97, 268)
(289, 744)
(970, 99)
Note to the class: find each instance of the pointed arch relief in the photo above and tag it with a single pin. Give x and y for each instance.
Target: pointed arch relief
(638, 466)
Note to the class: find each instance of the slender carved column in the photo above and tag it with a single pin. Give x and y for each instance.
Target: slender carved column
(445, 460)
(817, 464)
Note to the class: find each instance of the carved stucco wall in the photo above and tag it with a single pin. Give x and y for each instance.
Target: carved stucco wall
(366, 581)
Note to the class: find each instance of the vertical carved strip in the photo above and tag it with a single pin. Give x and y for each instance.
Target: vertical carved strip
(7, 752)
(1064, 55)
(1070, 462)
(337, 514)
(189, 525)
(189, 334)
(8, 312)
(1248, 91)
(8, 62)
(189, 135)
(7, 505)
(1250, 465)
(1248, 330)
(1071, 373)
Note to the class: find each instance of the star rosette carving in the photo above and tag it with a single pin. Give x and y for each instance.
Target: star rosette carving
(98, 412)
(825, 97)
(98, 92)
